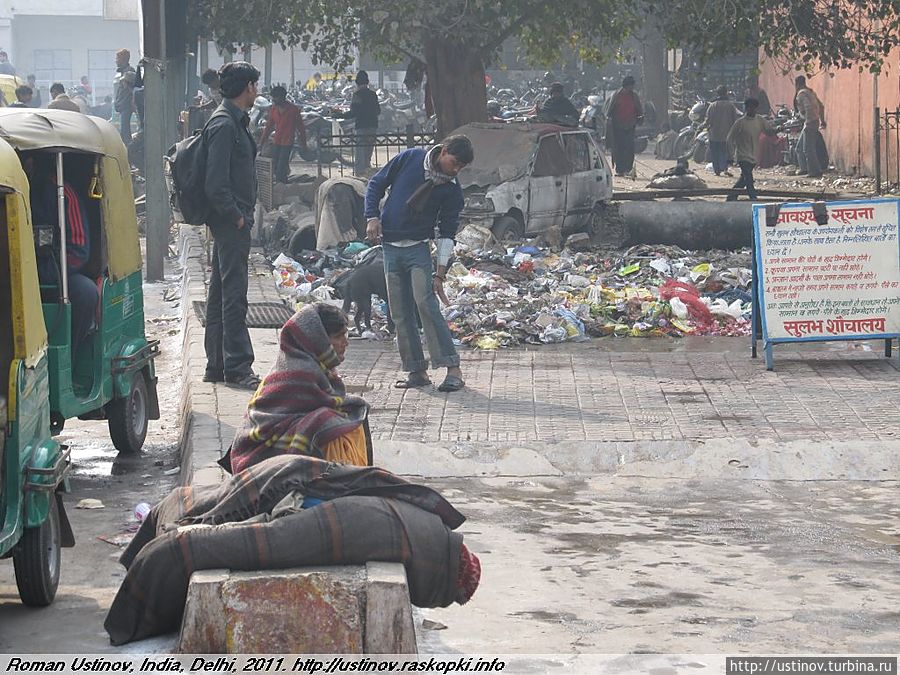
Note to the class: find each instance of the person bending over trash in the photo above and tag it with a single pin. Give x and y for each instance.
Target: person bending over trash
(301, 407)
(290, 511)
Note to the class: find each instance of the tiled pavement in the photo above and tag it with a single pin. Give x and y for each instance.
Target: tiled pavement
(661, 391)
(630, 390)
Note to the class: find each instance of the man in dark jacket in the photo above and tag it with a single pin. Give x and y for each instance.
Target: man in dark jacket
(424, 194)
(365, 109)
(558, 109)
(231, 192)
(124, 92)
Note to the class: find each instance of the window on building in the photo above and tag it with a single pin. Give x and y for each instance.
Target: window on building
(53, 65)
(101, 71)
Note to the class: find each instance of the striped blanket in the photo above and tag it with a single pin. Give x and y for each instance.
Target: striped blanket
(302, 404)
(252, 522)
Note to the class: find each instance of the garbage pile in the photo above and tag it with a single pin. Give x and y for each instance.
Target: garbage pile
(529, 295)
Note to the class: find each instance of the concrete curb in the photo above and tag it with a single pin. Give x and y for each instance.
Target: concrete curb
(197, 457)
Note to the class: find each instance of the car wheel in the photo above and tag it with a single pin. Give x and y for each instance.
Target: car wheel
(128, 417)
(508, 230)
(37, 560)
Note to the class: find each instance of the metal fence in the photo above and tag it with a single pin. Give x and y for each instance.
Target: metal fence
(887, 150)
(336, 154)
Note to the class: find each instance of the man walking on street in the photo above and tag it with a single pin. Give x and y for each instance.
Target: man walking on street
(720, 117)
(124, 92)
(744, 139)
(813, 113)
(365, 109)
(285, 118)
(625, 113)
(424, 194)
(231, 193)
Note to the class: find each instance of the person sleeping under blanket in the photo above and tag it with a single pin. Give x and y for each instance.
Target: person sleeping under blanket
(290, 511)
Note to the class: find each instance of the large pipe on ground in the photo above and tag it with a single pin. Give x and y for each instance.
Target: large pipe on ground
(688, 224)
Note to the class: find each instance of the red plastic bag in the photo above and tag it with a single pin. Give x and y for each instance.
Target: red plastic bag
(689, 295)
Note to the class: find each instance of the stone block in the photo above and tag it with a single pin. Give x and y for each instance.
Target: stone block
(339, 609)
(389, 622)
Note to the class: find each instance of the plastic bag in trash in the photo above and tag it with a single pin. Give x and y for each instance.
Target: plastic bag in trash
(554, 334)
(679, 309)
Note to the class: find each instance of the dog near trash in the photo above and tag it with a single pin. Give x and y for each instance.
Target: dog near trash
(359, 284)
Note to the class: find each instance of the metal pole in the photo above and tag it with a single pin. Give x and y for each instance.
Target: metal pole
(877, 148)
(268, 65)
(61, 216)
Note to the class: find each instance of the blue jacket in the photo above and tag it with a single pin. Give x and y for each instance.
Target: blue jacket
(404, 174)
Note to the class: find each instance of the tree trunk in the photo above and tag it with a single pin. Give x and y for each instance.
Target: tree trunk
(456, 77)
(654, 72)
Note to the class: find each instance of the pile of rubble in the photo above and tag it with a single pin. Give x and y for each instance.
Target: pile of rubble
(530, 295)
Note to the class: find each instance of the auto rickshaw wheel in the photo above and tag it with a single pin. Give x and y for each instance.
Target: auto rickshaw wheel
(128, 417)
(37, 560)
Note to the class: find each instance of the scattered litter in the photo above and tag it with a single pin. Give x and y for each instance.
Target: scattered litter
(90, 503)
(141, 511)
(172, 472)
(503, 297)
(428, 624)
(122, 539)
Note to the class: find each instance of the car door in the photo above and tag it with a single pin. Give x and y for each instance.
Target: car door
(547, 186)
(588, 182)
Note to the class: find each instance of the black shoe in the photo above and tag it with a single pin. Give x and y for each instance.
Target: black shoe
(250, 382)
(213, 376)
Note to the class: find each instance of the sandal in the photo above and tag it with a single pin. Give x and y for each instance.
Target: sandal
(413, 381)
(250, 382)
(452, 383)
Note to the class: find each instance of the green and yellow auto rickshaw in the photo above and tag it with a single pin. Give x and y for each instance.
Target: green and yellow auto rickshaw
(33, 524)
(111, 374)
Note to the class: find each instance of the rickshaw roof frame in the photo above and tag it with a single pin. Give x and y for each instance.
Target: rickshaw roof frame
(28, 129)
(29, 331)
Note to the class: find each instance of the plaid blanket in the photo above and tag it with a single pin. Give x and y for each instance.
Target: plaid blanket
(253, 522)
(302, 404)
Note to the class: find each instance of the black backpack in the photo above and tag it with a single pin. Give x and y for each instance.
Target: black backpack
(186, 161)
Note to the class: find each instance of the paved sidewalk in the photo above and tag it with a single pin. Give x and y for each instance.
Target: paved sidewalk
(655, 395)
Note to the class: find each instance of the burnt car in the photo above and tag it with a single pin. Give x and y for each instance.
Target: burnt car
(529, 179)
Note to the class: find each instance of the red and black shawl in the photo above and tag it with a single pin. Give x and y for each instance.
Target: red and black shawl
(302, 404)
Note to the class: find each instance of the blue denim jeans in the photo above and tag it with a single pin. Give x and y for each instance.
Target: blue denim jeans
(409, 272)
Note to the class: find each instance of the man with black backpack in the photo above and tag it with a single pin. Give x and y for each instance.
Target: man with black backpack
(230, 190)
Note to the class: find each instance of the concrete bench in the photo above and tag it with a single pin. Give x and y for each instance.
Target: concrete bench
(348, 609)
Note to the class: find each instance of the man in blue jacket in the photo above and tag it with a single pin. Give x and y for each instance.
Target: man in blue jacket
(424, 196)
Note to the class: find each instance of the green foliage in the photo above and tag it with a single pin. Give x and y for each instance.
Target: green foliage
(331, 30)
(805, 35)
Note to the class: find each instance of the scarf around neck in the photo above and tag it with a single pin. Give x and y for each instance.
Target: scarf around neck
(433, 176)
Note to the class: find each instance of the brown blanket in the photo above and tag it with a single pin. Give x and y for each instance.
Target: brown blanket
(369, 514)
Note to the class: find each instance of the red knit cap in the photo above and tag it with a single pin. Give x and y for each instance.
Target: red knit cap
(469, 575)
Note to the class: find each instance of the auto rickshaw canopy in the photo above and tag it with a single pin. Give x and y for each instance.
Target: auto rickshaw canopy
(8, 85)
(63, 130)
(29, 332)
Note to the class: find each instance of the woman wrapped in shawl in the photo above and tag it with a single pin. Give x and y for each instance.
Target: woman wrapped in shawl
(290, 511)
(301, 407)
